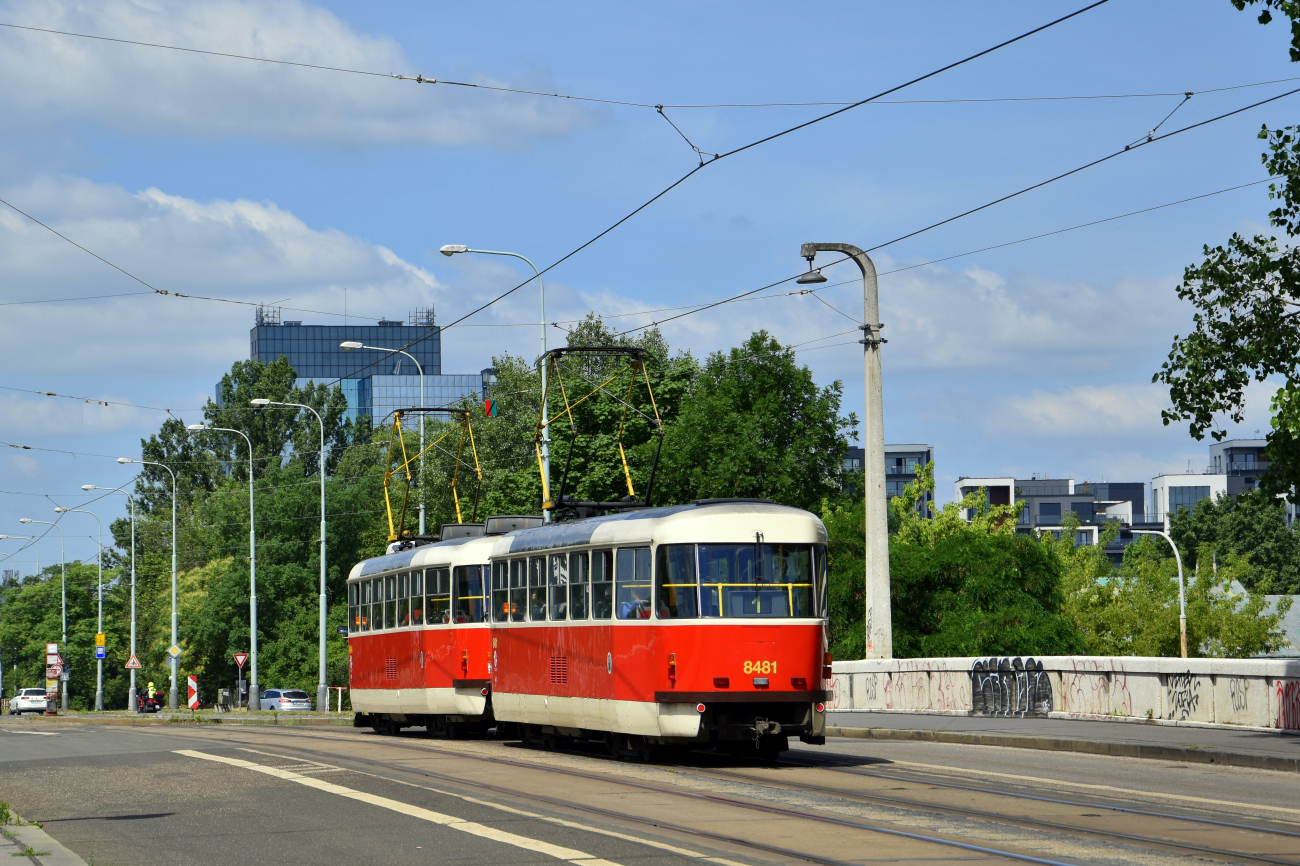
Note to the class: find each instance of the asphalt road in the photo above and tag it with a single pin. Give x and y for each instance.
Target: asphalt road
(177, 794)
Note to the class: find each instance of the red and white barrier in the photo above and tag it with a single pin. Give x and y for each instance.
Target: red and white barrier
(194, 693)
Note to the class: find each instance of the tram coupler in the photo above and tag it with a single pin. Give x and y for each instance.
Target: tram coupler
(765, 727)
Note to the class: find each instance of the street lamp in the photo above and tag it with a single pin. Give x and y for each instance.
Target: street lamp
(131, 704)
(252, 559)
(1182, 603)
(880, 632)
(99, 663)
(173, 701)
(453, 249)
(348, 346)
(322, 690)
(63, 594)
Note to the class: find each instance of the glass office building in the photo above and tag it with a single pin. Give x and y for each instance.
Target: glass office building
(374, 383)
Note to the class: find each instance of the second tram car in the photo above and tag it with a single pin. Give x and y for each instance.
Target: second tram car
(418, 632)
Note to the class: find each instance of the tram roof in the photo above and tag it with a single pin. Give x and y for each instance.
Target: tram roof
(425, 554)
(640, 525)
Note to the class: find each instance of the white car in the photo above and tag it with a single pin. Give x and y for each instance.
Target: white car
(286, 700)
(28, 701)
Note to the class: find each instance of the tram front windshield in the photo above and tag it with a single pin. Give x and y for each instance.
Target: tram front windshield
(756, 580)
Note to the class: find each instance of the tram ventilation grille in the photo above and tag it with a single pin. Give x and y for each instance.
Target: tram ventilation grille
(559, 669)
(390, 668)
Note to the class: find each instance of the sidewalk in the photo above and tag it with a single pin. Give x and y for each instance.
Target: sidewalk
(1248, 747)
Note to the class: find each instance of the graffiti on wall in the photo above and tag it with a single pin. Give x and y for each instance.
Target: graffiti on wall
(1238, 692)
(1097, 687)
(869, 687)
(1010, 687)
(1184, 691)
(1288, 705)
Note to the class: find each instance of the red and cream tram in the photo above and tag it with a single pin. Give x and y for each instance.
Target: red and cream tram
(698, 624)
(418, 637)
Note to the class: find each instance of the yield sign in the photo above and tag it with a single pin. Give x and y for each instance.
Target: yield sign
(240, 658)
(133, 663)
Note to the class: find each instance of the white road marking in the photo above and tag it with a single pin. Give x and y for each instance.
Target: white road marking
(1246, 806)
(451, 821)
(37, 733)
(574, 825)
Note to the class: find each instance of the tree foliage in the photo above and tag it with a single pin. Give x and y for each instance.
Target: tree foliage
(1246, 293)
(957, 588)
(1252, 526)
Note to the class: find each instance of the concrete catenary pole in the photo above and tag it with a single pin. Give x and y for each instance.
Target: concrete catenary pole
(879, 628)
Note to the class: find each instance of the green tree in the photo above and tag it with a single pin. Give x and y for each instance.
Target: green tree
(1133, 610)
(1247, 299)
(957, 588)
(1253, 526)
(754, 424)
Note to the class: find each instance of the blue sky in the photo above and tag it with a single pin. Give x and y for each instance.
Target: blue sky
(257, 183)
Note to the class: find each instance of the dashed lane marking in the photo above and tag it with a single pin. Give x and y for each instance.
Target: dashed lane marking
(37, 733)
(573, 825)
(451, 821)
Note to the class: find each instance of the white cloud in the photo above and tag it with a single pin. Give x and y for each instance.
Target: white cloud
(242, 250)
(134, 89)
(1087, 411)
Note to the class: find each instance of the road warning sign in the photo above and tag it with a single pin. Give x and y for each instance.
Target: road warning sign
(133, 663)
(240, 658)
(194, 693)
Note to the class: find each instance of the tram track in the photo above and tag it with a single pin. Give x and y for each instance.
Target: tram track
(1157, 843)
(660, 789)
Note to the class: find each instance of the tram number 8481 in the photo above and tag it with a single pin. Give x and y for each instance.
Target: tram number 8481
(760, 667)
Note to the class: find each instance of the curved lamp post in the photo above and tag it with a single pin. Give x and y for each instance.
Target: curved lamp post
(131, 705)
(880, 632)
(322, 691)
(99, 663)
(454, 249)
(173, 699)
(1182, 603)
(252, 561)
(348, 346)
(63, 594)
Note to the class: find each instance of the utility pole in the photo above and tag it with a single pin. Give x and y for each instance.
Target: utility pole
(879, 627)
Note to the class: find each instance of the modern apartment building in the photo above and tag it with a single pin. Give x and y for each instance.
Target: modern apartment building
(902, 463)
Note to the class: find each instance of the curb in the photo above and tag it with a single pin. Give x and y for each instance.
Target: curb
(1184, 754)
(27, 836)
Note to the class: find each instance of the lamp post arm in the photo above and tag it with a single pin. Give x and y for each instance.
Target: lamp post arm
(1182, 599)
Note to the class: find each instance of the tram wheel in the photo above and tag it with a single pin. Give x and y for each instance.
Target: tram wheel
(453, 731)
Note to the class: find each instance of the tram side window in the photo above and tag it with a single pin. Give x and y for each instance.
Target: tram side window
(390, 601)
(353, 625)
(404, 599)
(467, 593)
(578, 585)
(518, 590)
(501, 591)
(537, 588)
(558, 593)
(675, 582)
(819, 557)
(375, 595)
(417, 597)
(632, 579)
(437, 596)
(602, 584)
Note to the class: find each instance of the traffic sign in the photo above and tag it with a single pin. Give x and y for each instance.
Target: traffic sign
(133, 663)
(64, 675)
(100, 652)
(52, 672)
(240, 658)
(174, 651)
(99, 639)
(51, 649)
(194, 693)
